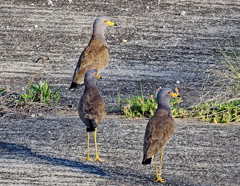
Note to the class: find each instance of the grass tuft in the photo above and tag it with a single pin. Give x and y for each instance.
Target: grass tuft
(218, 113)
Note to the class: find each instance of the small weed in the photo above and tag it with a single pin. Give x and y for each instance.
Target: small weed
(40, 93)
(119, 101)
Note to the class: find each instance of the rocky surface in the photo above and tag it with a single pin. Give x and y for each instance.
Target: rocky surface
(50, 151)
(162, 46)
(152, 46)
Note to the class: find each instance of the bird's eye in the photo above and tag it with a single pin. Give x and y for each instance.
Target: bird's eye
(169, 92)
(105, 21)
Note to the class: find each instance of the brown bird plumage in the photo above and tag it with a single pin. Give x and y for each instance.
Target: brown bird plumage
(95, 55)
(91, 108)
(159, 130)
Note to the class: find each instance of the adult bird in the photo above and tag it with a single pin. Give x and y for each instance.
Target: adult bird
(159, 131)
(91, 108)
(95, 55)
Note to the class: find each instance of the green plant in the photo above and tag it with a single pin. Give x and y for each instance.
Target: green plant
(119, 100)
(217, 112)
(2, 90)
(40, 93)
(141, 106)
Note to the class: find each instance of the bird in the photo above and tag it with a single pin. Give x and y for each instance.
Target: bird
(91, 109)
(159, 131)
(95, 55)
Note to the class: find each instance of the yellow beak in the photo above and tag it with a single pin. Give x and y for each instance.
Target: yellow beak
(175, 95)
(99, 77)
(111, 23)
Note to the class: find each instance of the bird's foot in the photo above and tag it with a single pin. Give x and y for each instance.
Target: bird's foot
(160, 179)
(87, 159)
(98, 159)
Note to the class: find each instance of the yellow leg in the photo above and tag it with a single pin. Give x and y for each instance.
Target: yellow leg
(155, 165)
(87, 149)
(96, 148)
(159, 175)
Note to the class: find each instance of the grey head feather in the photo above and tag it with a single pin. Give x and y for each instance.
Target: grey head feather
(90, 79)
(99, 26)
(164, 97)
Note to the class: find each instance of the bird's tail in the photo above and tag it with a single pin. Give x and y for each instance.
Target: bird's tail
(92, 125)
(74, 86)
(147, 161)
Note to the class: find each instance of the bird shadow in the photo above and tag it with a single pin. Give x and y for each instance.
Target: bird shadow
(19, 149)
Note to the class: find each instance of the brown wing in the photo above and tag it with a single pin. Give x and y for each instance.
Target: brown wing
(91, 108)
(95, 56)
(159, 131)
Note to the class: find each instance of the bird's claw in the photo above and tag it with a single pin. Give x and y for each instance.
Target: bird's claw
(88, 159)
(159, 179)
(98, 159)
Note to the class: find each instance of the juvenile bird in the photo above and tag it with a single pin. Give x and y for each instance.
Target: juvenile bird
(95, 55)
(159, 131)
(91, 109)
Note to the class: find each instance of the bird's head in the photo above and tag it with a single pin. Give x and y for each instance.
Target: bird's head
(165, 94)
(102, 23)
(91, 76)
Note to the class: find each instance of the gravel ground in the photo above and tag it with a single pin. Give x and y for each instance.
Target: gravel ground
(49, 151)
(161, 48)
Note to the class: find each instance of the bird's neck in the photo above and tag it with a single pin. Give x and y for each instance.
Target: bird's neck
(98, 33)
(90, 85)
(165, 105)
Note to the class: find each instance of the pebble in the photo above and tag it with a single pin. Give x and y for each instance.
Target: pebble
(33, 115)
(178, 82)
(182, 13)
(50, 3)
(124, 9)
(124, 40)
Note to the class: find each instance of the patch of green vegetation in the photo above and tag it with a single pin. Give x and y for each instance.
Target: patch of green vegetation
(218, 113)
(40, 93)
(140, 106)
